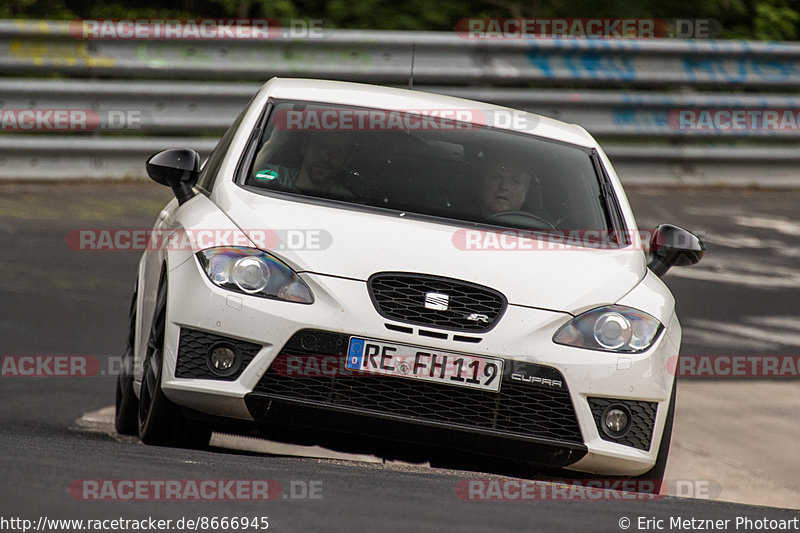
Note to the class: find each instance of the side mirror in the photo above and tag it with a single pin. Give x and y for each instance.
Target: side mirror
(673, 246)
(177, 168)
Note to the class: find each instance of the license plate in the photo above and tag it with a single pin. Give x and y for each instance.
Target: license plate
(425, 364)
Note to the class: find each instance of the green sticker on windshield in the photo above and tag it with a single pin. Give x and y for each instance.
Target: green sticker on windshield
(267, 174)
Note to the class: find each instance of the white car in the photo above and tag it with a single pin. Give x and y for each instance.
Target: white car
(357, 265)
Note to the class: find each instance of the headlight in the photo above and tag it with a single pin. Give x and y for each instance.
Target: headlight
(253, 272)
(614, 328)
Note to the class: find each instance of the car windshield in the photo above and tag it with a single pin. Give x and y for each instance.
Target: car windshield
(428, 164)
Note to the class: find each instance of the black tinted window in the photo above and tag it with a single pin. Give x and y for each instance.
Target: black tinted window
(427, 165)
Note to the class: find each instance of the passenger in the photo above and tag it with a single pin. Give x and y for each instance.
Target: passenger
(325, 161)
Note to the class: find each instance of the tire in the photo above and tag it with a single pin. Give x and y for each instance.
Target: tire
(160, 422)
(126, 413)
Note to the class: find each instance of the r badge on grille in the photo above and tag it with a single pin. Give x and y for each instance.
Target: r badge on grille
(436, 301)
(478, 317)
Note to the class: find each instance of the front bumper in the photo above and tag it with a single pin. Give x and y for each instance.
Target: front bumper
(343, 308)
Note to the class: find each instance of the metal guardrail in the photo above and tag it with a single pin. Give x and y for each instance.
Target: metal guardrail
(385, 57)
(148, 107)
(57, 157)
(181, 107)
(46, 157)
(137, 118)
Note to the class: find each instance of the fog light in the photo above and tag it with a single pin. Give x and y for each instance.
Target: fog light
(616, 421)
(223, 359)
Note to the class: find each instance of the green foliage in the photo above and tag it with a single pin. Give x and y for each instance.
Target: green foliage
(774, 20)
(53, 9)
(748, 19)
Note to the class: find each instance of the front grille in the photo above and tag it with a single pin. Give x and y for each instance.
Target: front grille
(521, 409)
(193, 350)
(643, 419)
(401, 296)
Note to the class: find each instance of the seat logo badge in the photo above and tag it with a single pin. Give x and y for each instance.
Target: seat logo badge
(477, 317)
(436, 301)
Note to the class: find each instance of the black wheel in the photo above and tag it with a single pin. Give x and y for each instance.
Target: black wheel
(127, 406)
(161, 422)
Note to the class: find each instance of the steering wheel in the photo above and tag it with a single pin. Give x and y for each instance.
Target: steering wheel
(521, 218)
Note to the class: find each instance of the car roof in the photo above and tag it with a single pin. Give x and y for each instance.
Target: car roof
(379, 97)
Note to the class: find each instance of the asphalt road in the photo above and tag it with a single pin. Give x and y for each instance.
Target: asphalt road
(58, 301)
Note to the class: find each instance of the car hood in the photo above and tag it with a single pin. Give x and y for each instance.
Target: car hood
(359, 243)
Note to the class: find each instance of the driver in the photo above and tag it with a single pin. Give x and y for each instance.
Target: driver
(504, 186)
(325, 159)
